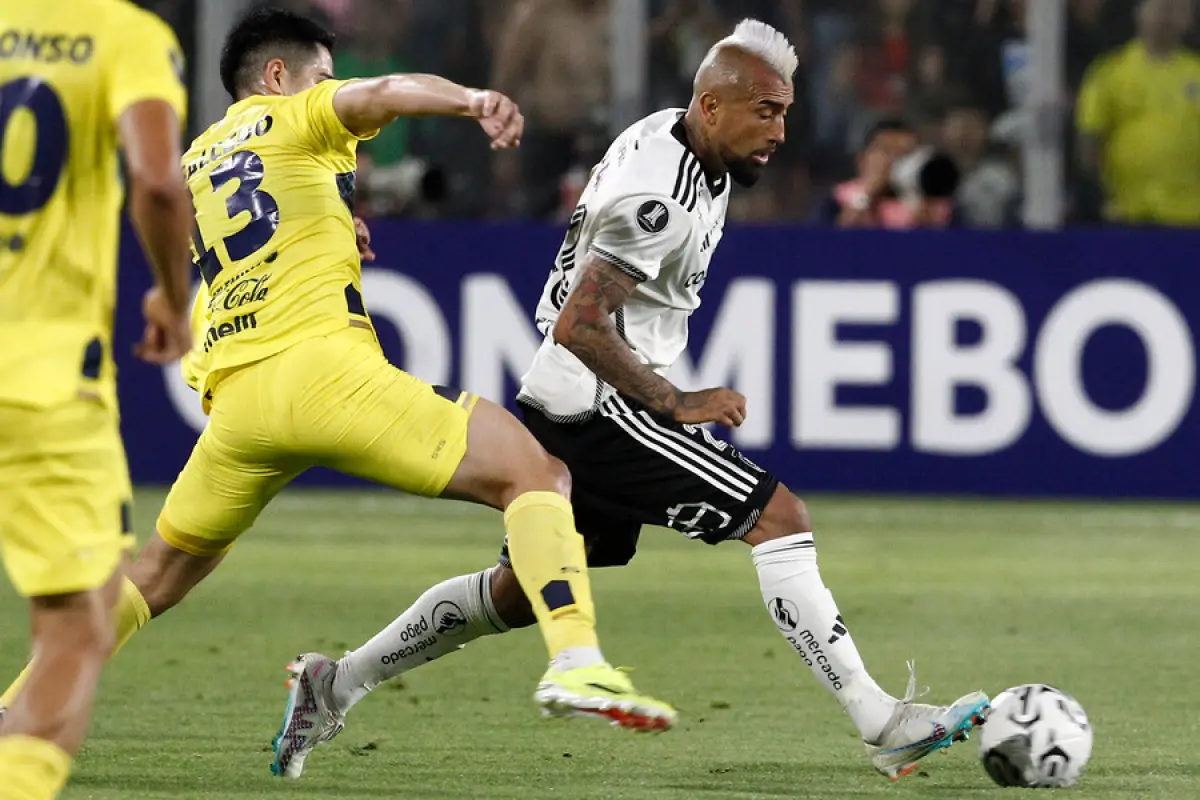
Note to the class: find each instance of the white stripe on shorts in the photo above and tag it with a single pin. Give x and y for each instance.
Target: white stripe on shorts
(708, 468)
(705, 453)
(646, 422)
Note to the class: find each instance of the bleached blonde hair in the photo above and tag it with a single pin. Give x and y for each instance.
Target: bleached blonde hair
(761, 40)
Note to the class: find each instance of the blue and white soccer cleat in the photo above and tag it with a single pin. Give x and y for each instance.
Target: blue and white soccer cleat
(311, 717)
(916, 730)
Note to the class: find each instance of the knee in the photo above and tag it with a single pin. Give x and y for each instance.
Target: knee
(509, 599)
(72, 637)
(80, 624)
(100, 635)
(541, 472)
(784, 515)
(798, 514)
(557, 476)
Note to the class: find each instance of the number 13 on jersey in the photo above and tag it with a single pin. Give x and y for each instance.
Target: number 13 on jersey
(245, 218)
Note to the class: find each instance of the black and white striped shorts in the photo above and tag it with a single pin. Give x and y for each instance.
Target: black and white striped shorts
(630, 468)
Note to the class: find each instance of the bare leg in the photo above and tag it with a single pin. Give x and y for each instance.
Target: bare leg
(510, 601)
(505, 467)
(72, 634)
(504, 461)
(165, 574)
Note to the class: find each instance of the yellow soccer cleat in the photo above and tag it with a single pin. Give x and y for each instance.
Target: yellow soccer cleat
(601, 691)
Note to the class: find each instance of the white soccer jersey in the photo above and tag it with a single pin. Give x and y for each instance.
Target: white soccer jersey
(649, 210)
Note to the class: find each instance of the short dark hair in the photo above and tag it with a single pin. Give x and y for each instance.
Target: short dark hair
(887, 125)
(263, 34)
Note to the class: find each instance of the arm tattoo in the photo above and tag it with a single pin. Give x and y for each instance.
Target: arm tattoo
(585, 327)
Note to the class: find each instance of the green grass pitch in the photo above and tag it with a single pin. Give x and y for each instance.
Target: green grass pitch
(1100, 599)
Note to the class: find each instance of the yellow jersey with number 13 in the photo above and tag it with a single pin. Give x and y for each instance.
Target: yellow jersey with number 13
(68, 71)
(272, 184)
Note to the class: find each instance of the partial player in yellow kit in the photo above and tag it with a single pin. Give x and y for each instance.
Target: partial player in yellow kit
(292, 375)
(78, 82)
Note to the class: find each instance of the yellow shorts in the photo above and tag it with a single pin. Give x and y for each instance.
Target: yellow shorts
(331, 401)
(64, 496)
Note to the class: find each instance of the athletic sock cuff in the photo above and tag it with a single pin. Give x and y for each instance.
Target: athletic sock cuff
(534, 499)
(783, 547)
(133, 596)
(486, 602)
(53, 764)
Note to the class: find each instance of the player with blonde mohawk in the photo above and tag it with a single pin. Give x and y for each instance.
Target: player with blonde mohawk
(614, 314)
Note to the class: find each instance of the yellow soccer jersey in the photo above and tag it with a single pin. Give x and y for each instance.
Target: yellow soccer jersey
(272, 184)
(194, 365)
(1148, 113)
(68, 71)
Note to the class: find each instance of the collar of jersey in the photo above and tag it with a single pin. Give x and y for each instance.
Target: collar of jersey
(254, 99)
(1144, 56)
(716, 183)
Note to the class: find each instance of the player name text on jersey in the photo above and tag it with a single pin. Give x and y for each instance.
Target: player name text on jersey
(49, 48)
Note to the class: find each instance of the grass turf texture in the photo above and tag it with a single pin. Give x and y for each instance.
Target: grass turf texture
(1101, 600)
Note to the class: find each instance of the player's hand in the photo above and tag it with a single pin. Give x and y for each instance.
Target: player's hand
(724, 406)
(168, 334)
(876, 174)
(363, 236)
(499, 117)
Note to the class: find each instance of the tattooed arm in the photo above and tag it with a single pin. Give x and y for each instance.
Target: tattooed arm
(586, 328)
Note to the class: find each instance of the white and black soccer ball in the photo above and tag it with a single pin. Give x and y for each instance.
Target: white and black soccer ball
(1036, 737)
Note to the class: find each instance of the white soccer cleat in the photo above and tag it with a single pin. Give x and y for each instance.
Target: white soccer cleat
(311, 716)
(915, 729)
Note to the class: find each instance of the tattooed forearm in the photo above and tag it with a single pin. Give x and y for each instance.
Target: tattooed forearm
(585, 327)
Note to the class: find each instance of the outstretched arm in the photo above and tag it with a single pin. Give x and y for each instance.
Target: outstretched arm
(365, 106)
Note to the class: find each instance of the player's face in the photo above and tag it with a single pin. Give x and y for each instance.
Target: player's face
(750, 127)
(884, 150)
(1165, 21)
(307, 73)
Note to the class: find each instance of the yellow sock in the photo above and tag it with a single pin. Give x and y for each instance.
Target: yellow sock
(31, 769)
(130, 614)
(550, 561)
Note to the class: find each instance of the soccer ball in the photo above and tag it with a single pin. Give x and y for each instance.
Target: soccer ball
(1036, 737)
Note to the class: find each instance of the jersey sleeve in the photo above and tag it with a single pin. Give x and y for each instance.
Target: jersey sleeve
(638, 233)
(146, 63)
(321, 123)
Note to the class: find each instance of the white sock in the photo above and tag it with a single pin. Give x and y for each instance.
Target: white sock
(807, 616)
(577, 657)
(441, 621)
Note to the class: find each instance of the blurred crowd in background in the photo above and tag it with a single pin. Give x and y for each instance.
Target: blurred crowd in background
(878, 79)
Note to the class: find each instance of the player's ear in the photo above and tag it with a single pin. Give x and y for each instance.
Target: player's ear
(273, 75)
(709, 106)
